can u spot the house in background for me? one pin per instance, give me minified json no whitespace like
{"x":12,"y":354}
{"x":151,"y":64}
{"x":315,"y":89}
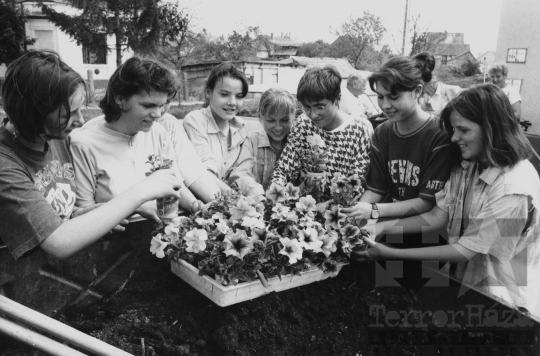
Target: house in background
{"x":452,"y":51}
{"x":520,"y":50}
{"x":486,"y":60}
{"x":49,"y":36}
{"x":276,"y":47}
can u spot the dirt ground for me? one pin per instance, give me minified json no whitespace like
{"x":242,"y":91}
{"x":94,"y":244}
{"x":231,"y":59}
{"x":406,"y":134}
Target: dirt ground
{"x":347,"y":315}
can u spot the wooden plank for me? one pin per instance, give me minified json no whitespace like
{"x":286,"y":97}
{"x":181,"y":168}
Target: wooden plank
{"x":228,"y":295}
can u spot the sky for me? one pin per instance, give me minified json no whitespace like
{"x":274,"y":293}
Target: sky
{"x":310,"y":20}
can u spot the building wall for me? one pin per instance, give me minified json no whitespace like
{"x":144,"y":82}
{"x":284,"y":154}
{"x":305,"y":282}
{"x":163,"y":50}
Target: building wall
{"x":48,"y":36}
{"x":519,"y":21}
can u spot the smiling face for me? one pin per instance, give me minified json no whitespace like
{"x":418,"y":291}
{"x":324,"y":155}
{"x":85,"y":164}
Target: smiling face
{"x":322,"y":113}
{"x":226,"y":98}
{"x":498,"y":79}
{"x":76,"y":101}
{"x":277,"y":127}
{"x":469,"y":136}
{"x":397,"y":107}
{"x":140,"y":111}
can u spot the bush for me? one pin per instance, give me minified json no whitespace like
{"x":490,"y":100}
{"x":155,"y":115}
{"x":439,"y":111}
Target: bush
{"x":470,"y":68}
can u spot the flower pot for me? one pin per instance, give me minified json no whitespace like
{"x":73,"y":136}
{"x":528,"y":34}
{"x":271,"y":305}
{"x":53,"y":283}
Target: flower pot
{"x":228,"y":295}
{"x":167,"y":208}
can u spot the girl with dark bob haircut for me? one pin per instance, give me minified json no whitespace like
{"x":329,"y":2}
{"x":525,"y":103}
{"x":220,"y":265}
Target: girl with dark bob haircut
{"x":132,"y":76}
{"x":28,"y":100}
{"x":215,"y":131}
{"x":347,"y":140}
{"x":111,"y":153}
{"x":489,"y":205}
{"x":43,"y":98}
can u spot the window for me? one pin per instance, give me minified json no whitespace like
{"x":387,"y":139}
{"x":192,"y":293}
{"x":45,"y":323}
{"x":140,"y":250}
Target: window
{"x":516,"y":55}
{"x":93,"y":56}
{"x":444,"y":60}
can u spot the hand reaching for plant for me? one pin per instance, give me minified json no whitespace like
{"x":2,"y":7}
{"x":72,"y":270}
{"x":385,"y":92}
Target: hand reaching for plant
{"x":375,"y":250}
{"x":148,"y":212}
{"x":359,"y":211}
{"x":159,"y":184}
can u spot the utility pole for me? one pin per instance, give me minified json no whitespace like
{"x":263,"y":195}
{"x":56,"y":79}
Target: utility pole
{"x":405,"y":26}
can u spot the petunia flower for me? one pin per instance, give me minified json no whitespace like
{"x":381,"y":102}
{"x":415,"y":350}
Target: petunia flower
{"x":242,"y":209}
{"x":276,"y":193}
{"x":237,"y":244}
{"x":349,"y":231}
{"x":329,"y":245}
{"x":253,"y":223}
{"x":316,"y":140}
{"x":292,"y":191}
{"x":355,"y":183}
{"x":291,"y":249}
{"x":222,"y":226}
{"x":309,"y":239}
{"x":195,"y":240}
{"x":157,"y":246}
{"x":334,"y":218}
{"x":170,"y":229}
{"x":306,"y":204}
{"x":203,"y":222}
{"x":329,"y":266}
{"x":291,"y":216}
{"x":280,"y":211}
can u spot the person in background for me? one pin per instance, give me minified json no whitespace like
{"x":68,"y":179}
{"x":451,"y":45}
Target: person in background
{"x":43,"y":97}
{"x":262,"y":149}
{"x":216,"y":133}
{"x":498,"y":73}
{"x":346,"y":142}
{"x":199,"y":181}
{"x":436,"y":94}
{"x":489,"y":206}
{"x":353,"y":101}
{"x":114,"y":152}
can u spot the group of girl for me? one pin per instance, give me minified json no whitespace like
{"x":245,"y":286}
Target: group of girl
{"x":467,"y":170}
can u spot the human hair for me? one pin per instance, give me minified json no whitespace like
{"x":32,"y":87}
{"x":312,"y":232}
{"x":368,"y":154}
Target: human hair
{"x":319,"y":83}
{"x":401,"y":74}
{"x":226,"y":69}
{"x":130,"y":78}
{"x":499,"y":68}
{"x":36,"y":84}
{"x":353,"y":79}
{"x":277,"y":102}
{"x":487,"y":106}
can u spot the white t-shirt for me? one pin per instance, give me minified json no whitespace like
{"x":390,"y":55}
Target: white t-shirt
{"x":512,"y":94}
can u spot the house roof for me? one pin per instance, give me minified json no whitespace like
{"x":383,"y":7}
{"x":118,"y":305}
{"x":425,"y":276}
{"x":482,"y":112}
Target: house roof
{"x":451,"y":49}
{"x":284,"y":41}
{"x":342,"y":64}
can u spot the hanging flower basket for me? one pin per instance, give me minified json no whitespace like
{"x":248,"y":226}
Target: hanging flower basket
{"x":228,"y":295}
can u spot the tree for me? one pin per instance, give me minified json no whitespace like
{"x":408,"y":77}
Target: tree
{"x":356,"y":36}
{"x":237,"y":46}
{"x":178,"y":41}
{"x":372,"y":59}
{"x":134,"y":23}
{"x":318,"y":48}
{"x":422,"y":40}
{"x":13,"y":40}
